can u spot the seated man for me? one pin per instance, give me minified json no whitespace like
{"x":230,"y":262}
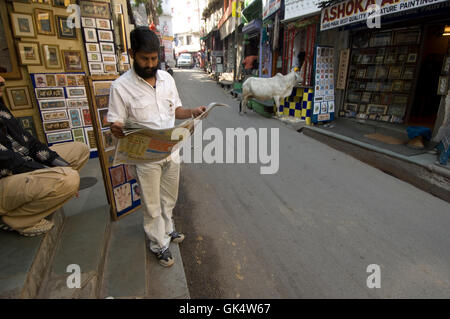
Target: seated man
{"x":35,"y":180}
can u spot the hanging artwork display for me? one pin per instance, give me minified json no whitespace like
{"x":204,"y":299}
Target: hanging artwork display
{"x":120,"y":181}
{"x":324,"y":85}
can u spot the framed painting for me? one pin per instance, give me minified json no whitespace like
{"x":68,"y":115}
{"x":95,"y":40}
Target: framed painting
{"x":76,"y":92}
{"x":95,"y":67}
{"x":108,"y":140}
{"x":90,"y":35}
{"x":88,"y":22}
{"x":56,"y":126}
{"x":351,"y":107}
{"x":72,"y":60}
{"x":51,"y":55}
{"x":49,"y":105}
{"x":94,"y":57}
{"x":71,"y":80}
{"x":23,"y":25}
{"x":102,"y":101}
{"x":58,"y":137}
{"x":54,"y":115}
{"x":102,"y":115}
{"x":87,"y":121}
{"x":9,"y":66}
{"x":92,"y":9}
{"x":109,"y":58}
{"x":105,"y":36}
{"x":18,"y":97}
{"x":50,"y":79}
{"x":49,"y":93}
{"x":104,"y":24}
{"x":101,"y":88}
{"x":40,"y":81}
{"x":44,"y":21}
{"x":75,"y":118}
{"x":106,"y":47}
{"x":90,"y":136}
{"x":110,"y":67}
{"x":61,"y":3}
{"x":62,"y":29}
{"x":29,"y":53}
{"x":78,"y":135}
{"x":27,"y":123}
{"x":61,"y":79}
{"x":92,"y":47}
{"x":376,"y":109}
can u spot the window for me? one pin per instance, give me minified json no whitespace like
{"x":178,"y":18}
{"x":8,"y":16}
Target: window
{"x":188,"y":39}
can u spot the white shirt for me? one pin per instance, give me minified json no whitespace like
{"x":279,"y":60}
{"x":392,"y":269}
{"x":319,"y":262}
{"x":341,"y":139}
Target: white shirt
{"x":131,"y":97}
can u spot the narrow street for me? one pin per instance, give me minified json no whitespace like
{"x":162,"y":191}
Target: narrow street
{"x":308,"y":231}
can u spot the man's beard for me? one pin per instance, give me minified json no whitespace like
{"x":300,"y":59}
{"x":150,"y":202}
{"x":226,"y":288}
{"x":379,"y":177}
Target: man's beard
{"x":144,"y":73}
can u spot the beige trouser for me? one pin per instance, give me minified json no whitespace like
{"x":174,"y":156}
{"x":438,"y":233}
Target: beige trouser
{"x":27,"y":198}
{"x":159,"y":193}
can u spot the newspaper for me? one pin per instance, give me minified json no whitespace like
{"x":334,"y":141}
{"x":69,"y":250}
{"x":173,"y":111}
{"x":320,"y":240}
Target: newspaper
{"x":145,"y":145}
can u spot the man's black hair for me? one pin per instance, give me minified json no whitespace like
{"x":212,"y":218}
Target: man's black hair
{"x":145,"y":40}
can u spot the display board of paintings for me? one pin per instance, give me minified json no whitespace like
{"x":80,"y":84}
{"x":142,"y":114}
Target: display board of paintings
{"x":381,"y":74}
{"x":120,"y":181}
{"x":64,"y":108}
{"x":324,"y":85}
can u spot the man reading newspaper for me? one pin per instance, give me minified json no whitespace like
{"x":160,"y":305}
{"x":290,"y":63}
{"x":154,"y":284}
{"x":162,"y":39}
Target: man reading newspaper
{"x":148,"y":96}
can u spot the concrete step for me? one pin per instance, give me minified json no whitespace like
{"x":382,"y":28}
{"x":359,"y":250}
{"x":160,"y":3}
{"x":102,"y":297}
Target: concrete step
{"x":83,"y":242}
{"x":24,"y":260}
{"x":125,"y":269}
{"x":167,"y":283}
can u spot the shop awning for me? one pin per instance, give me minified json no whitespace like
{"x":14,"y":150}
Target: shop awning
{"x":252,"y":11}
{"x":252,"y":27}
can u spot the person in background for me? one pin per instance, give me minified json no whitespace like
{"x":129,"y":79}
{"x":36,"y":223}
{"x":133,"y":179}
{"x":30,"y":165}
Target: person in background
{"x":35,"y":180}
{"x":249,"y":64}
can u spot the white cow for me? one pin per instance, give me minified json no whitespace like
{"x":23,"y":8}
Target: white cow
{"x":277,"y":87}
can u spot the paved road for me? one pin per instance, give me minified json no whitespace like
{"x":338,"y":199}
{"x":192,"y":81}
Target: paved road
{"x":309,"y":231}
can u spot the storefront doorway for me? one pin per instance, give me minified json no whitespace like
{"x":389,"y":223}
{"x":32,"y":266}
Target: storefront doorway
{"x":426,"y":100}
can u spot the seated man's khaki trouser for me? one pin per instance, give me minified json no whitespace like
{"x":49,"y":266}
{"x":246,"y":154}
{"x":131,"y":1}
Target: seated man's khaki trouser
{"x":27,"y":198}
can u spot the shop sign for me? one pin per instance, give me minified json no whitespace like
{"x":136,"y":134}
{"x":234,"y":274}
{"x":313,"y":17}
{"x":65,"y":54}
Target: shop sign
{"x":300,"y":8}
{"x":270,"y":7}
{"x":353,"y":11}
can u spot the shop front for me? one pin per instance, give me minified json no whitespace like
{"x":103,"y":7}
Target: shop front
{"x":396,"y":73}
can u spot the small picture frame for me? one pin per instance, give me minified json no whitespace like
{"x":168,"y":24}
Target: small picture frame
{"x":360,"y":73}
{"x":377,"y":109}
{"x":27,"y":123}
{"x":50,"y":105}
{"x":29,"y":53}
{"x":90,"y":35}
{"x":95,"y":67}
{"x":56,"y":126}
{"x":109,"y":58}
{"x":75,"y":118}
{"x":353,"y":107}
{"x":23,"y":25}
{"x":76,"y":92}
{"x":51,"y":80}
{"x":88,"y":22}
{"x":124,"y":58}
{"x":44,"y":21}
{"x":63,"y":30}
{"x":395,"y":72}
{"x":18,"y":97}
{"x":365,"y":97}
{"x":92,"y":47}
{"x":86,"y":114}
{"x":103,"y":24}
{"x":59,"y":137}
{"x":102,"y":101}
{"x":442,"y":85}
{"x":40,"y":81}
{"x":61,"y":80}
{"x":72,"y":60}
{"x":49,"y":93}
{"x":51,"y":55}
{"x":90,"y":137}
{"x":412,"y":58}
{"x":94,"y":57}
{"x":56,"y":115}
{"x":77,"y":103}
{"x":101,"y":88}
{"x":102,"y":117}
{"x":78,"y":135}
{"x":106,"y":47}
{"x":362,"y":108}
{"x":106,"y":36}
{"x":110,"y":68}
{"x":71,"y":80}
{"x":61,"y":3}
{"x":390,"y":58}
